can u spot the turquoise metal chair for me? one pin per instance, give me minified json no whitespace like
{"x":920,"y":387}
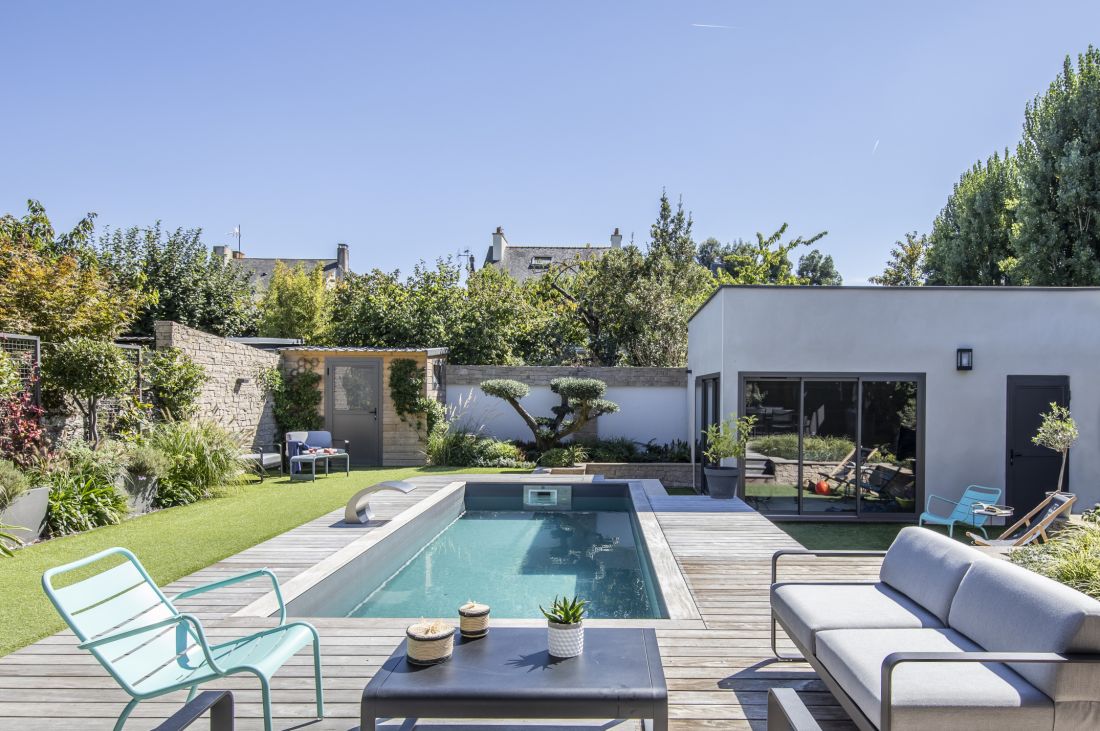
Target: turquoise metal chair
{"x":962,"y":510}
{"x":152,"y":649}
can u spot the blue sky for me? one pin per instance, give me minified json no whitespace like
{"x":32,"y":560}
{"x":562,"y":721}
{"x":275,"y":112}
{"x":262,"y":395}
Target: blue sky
{"x":412,"y":129}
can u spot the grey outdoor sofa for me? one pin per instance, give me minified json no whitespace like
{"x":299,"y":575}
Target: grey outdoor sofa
{"x":950,"y":638}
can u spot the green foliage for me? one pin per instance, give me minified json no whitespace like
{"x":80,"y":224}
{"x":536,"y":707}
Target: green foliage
{"x":451,"y":445}
{"x":144,"y":459}
{"x":13,"y":483}
{"x":104,"y":462}
{"x":87,"y":371}
{"x":81,"y":499}
{"x":297,"y":399}
{"x":972,"y":237}
{"x":565,"y":610}
{"x":728,"y":438}
{"x":816,"y":449}
{"x":567,"y":456}
{"x":908,"y":263}
{"x":55,"y":287}
{"x":11,"y":382}
{"x":1072,"y":557}
{"x":622,"y":449}
{"x":408,"y":388}
{"x":580,"y":403}
{"x":1058,"y":238}
{"x":1058,"y":432}
{"x":296,"y":304}
{"x":186,"y":282}
{"x":200,"y":457}
{"x":818,"y":270}
{"x":175,"y":381}
{"x":766,"y":261}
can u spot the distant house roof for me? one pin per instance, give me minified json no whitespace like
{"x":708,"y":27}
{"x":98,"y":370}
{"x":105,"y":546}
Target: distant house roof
{"x":337,"y":349}
{"x":262,"y":269}
{"x":524,"y":261}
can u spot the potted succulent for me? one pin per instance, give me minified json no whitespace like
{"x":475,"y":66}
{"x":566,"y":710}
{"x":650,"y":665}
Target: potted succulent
{"x":22,"y":508}
{"x":565,"y":626}
{"x":144,"y":466}
{"x":726,"y":440}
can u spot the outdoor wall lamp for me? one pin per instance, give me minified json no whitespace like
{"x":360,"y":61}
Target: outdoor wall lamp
{"x":964,"y":359}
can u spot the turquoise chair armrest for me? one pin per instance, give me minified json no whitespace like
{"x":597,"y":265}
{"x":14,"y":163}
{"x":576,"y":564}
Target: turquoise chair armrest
{"x":237,"y":580}
{"x":190,"y":619}
{"x":928,"y":502}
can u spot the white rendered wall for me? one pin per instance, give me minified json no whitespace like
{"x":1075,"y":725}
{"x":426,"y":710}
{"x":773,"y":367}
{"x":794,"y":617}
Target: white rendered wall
{"x":1013,"y":331}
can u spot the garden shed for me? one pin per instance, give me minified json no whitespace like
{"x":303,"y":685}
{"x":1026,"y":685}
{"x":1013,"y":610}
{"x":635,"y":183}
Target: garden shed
{"x":361,"y":400}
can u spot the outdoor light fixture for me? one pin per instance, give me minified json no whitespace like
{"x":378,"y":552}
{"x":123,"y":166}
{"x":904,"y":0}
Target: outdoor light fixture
{"x":964,"y":359}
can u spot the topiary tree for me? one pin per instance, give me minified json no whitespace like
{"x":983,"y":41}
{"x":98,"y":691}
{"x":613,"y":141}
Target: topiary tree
{"x":88,"y":371}
{"x":581,"y":402}
{"x":1058,"y":431}
{"x":176,"y":382}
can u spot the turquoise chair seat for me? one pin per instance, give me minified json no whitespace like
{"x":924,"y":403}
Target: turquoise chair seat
{"x":151,"y":649}
{"x":961,"y":510}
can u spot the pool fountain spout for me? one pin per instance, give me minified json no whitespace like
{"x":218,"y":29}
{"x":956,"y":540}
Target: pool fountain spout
{"x":358,"y":510}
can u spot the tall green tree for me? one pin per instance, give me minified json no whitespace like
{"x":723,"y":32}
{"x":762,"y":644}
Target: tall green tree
{"x":296,"y":304}
{"x":972,"y":238}
{"x":670,"y":234}
{"x":908,"y":260}
{"x":190,"y":285}
{"x":1058,"y":241}
{"x":765,"y":261}
{"x":818,"y":270}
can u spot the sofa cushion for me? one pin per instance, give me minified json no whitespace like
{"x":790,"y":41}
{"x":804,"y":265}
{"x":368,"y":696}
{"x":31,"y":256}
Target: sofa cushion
{"x":1004,"y":607}
{"x":927,"y":567}
{"x":805,"y":609}
{"x":972,"y":696}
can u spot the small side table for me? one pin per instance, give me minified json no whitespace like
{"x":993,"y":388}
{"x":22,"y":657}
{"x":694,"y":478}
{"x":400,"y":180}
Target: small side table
{"x":313,"y":459}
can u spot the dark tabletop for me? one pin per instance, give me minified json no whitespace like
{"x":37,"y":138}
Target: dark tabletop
{"x":509,"y":674}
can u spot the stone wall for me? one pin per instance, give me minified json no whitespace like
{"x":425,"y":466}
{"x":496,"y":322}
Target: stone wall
{"x":232,"y":396}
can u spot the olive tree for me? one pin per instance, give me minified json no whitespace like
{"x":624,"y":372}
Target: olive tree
{"x":581,"y":402}
{"x":88,"y":371}
{"x":1058,"y":432}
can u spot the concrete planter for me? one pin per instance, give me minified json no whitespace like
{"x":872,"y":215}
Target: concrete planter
{"x":141,"y":492}
{"x":27,"y":514}
{"x":722,"y":481}
{"x":564,"y":640}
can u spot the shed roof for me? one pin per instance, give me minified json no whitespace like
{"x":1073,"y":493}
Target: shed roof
{"x":349,"y":349}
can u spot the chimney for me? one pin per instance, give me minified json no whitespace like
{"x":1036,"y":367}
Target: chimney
{"x":221,"y":251}
{"x":616,"y":239}
{"x":342,"y":259}
{"x":238,"y":254}
{"x":499,"y":244}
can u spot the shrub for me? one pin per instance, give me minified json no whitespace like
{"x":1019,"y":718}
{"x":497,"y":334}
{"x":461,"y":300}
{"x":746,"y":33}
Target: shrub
{"x":297,"y":399}
{"x":13,"y":483}
{"x":817,"y":449}
{"x":175,"y":381}
{"x":11,"y":383}
{"x":581,"y":402}
{"x":81,"y":501}
{"x":145,"y":459}
{"x":200,"y":456}
{"x":88,"y":371}
{"x":22,"y":438}
{"x":1072,"y":557}
{"x":104,"y":464}
{"x":454,"y":446}
{"x":566,"y":456}
{"x":622,"y":449}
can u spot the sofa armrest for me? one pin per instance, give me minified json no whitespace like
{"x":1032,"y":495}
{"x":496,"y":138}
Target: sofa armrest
{"x":893,"y":660}
{"x":819,"y":554}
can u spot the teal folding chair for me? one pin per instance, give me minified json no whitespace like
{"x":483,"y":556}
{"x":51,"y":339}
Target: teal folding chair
{"x":152,"y":649}
{"x":962,"y":510}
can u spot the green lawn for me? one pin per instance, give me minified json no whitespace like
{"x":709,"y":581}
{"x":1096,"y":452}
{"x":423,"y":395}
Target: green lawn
{"x":176,"y":542}
{"x":853,"y":536}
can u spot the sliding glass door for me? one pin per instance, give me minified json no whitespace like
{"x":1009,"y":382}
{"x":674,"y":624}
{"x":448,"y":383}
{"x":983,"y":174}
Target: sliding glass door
{"x":833,"y":446}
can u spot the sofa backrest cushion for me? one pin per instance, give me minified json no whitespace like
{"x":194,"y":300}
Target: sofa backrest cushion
{"x":927,"y":567}
{"x":1004,"y":607}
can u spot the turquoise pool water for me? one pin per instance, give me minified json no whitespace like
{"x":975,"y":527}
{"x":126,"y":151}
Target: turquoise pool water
{"x":514,"y":560}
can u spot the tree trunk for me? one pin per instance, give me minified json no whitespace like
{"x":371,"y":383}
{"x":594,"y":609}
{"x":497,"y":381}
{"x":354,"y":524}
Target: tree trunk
{"x":1062,"y":469}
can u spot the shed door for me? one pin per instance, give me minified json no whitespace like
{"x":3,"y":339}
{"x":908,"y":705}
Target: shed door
{"x":1031,"y":471}
{"x":353,"y":407}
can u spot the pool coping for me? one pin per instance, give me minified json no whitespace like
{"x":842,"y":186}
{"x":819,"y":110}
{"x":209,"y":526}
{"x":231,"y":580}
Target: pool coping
{"x":675,"y":594}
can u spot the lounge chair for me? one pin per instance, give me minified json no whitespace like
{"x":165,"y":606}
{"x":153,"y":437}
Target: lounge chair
{"x":1034,"y":525}
{"x":844,"y":473}
{"x":963,"y":510}
{"x":264,"y":459}
{"x":150,"y":648}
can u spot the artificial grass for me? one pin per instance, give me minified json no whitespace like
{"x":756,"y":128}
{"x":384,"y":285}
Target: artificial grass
{"x":176,"y":542}
{"x":853,"y":536}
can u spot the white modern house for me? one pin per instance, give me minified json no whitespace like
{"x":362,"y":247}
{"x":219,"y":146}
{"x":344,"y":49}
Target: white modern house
{"x":870,"y":399}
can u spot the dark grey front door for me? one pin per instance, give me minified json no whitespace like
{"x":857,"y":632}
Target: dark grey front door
{"x":353,"y":406}
{"x":1031,"y":471}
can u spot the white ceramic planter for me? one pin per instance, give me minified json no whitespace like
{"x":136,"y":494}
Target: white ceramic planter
{"x":565,"y":640}
{"x":27,"y":514}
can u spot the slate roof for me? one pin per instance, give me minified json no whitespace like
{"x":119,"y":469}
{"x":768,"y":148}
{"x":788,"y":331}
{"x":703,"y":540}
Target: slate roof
{"x":260,"y":269}
{"x":524,"y":261}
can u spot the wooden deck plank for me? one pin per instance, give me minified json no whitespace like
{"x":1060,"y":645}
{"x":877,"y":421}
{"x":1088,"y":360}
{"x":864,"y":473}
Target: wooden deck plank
{"x":719,"y":668}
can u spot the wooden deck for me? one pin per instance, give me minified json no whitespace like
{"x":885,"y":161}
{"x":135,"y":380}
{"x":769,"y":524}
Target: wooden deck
{"x":718,"y":668}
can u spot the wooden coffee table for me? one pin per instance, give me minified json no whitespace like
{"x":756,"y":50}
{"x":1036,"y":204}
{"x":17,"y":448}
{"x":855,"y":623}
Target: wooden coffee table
{"x":509,"y":675}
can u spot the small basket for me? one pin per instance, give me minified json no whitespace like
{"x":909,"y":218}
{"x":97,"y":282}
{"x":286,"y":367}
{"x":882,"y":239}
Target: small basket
{"x":473,"y":620}
{"x":429,"y":643}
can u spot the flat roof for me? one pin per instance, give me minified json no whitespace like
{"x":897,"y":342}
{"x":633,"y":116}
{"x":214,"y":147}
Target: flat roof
{"x":882,"y":288}
{"x":338,"y":349}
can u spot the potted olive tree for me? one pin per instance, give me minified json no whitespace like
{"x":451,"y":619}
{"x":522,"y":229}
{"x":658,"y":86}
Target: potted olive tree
{"x":726,"y":440}
{"x":1057,"y":432}
{"x":565,"y":626}
{"x":144,"y":466}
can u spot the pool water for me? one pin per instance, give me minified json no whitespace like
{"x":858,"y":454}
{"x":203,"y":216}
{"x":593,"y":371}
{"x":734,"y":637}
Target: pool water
{"x":514,"y":560}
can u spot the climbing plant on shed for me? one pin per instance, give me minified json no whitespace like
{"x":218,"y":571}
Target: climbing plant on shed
{"x":408,"y":386}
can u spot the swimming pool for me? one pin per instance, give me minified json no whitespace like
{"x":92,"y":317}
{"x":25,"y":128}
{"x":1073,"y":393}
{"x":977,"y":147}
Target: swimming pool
{"x":512,"y":546}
